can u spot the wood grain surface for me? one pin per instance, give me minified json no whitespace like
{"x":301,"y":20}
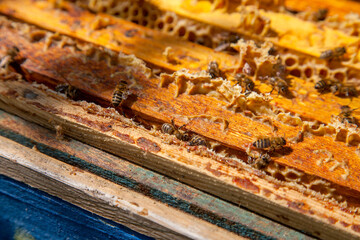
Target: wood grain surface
{"x":103,"y":197}
{"x":291,"y":202}
{"x":152,"y":102}
{"x":83,"y":157}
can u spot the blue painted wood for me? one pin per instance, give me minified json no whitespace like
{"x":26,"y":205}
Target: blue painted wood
{"x":25,"y":210}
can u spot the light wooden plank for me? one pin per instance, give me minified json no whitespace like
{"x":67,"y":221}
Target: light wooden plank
{"x":103,"y":197}
{"x":158,"y":187}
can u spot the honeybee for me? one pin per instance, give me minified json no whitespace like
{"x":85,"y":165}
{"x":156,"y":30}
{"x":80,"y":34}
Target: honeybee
{"x":345,"y":115}
{"x":333,"y":53}
{"x":172,"y":130}
{"x":323,"y":85}
{"x":342,"y":90}
{"x":66,"y":88}
{"x":281,"y":85}
{"x":225,"y":45}
{"x":198,"y":141}
{"x":9,"y":57}
{"x":260,"y":162}
{"x":69,"y":91}
{"x":320,"y":15}
{"x":272,"y":51}
{"x":244,"y":82}
{"x":184,"y":136}
{"x":120,"y":93}
{"x":13,"y":52}
{"x":271,"y":143}
{"x":168,"y":128}
{"x":213,"y":69}
{"x":279,"y":70}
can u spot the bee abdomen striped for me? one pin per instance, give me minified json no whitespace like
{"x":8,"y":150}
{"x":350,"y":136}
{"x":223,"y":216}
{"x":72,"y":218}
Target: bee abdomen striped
{"x":167,"y":128}
{"x":116,"y":98}
{"x":321,"y":85}
{"x":350,"y":120}
{"x":262,"y":143}
{"x":198,"y":141}
{"x":118,"y":94}
{"x":326,"y":54}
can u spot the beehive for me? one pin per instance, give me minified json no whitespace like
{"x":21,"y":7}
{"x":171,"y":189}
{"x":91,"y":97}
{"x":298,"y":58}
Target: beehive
{"x":318,"y":166}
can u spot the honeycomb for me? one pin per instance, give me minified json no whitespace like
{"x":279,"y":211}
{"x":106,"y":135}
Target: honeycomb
{"x":291,"y":175}
{"x":298,"y":65}
{"x":202,"y":83}
{"x":275,"y":172}
{"x":314,"y":69}
{"x":348,"y":24}
{"x":147,"y":15}
{"x":254,"y":59}
{"x":90,"y":52}
{"x":223,"y":90}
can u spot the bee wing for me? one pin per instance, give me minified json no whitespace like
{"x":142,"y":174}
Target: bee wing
{"x":173,"y":123}
{"x":126,"y":94}
{"x":259,"y":137}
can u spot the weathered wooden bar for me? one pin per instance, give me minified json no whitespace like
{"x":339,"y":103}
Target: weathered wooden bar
{"x":303,"y":187}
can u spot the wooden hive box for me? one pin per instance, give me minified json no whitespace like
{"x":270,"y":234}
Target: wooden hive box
{"x":162,"y":50}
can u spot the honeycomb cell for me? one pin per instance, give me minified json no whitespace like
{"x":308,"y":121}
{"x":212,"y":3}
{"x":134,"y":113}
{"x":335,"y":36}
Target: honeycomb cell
{"x":169,"y":19}
{"x":290,"y":61}
{"x":296,"y":72}
{"x":339,"y":76}
{"x":323,"y":73}
{"x":308,"y":72}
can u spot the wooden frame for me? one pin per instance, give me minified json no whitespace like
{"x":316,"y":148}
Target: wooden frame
{"x":229,"y":179}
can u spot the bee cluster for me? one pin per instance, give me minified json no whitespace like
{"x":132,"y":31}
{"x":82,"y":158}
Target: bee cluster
{"x":331,"y":85}
{"x":278,"y":80}
{"x":336,"y":87}
{"x":259,"y":162}
{"x":332,"y":54}
{"x":245,"y":82}
{"x":194,"y":140}
{"x":269,"y":144}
